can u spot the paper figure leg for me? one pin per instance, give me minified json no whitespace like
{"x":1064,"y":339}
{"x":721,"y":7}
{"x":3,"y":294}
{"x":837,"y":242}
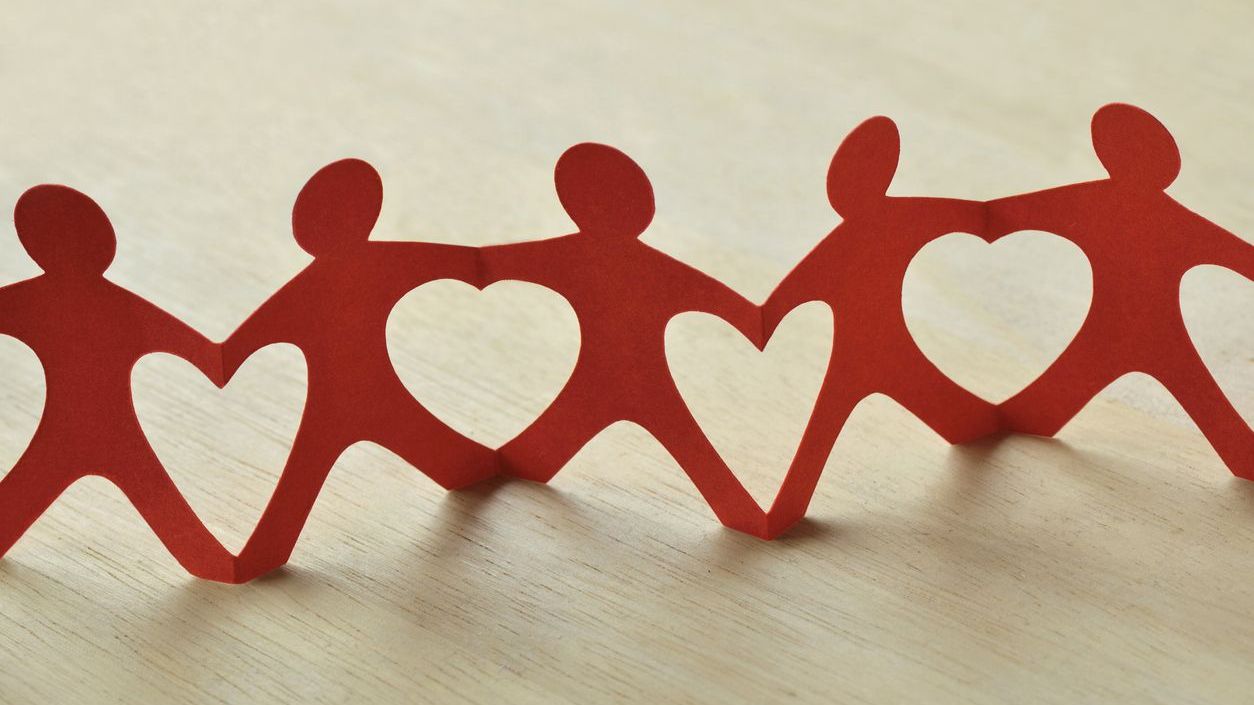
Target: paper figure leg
{"x":831,"y":411}
{"x":27,"y":491}
{"x":149,"y":488}
{"x":672,"y":424}
{"x":946,"y":407}
{"x":424,"y":441}
{"x":544,"y":447}
{"x":1191,"y":383}
{"x":314,"y":452}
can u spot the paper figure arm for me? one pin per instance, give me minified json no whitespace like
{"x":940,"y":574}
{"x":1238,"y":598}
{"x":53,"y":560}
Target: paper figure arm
{"x":264,"y":327}
{"x":169,"y":334}
{"x":7,"y":310}
{"x":1243,"y":258}
{"x":1052,"y":210}
{"x":801,"y":285}
{"x":1228,"y":250}
{"x":960,"y":216}
{"x":704,"y":293}
{"x":534,"y":261}
{"x":413,"y":264}
{"x":18,"y":311}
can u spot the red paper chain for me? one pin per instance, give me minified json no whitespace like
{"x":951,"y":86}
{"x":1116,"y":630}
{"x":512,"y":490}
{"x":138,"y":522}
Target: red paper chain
{"x":88,"y":332}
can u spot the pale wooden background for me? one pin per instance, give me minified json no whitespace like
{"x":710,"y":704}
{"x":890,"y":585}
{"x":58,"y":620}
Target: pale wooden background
{"x":1114,"y":564}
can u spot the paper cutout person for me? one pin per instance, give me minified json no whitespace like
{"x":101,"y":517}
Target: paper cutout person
{"x":623,"y":293}
{"x":88,"y":334}
{"x":1139,"y":242}
{"x":858,"y":271}
{"x":336,"y":312}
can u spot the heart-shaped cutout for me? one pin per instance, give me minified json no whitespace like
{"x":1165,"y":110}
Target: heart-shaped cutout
{"x":21,"y":400}
{"x":224,"y":448}
{"x":752,"y":405}
{"x":487,"y":362}
{"x":993,"y":318}
{"x":1216,"y":303}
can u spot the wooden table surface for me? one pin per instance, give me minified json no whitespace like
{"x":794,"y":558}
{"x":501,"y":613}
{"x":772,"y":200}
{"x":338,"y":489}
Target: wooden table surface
{"x":1112,"y":564}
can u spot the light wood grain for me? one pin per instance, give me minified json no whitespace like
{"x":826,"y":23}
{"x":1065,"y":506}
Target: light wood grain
{"x":1113,"y":564}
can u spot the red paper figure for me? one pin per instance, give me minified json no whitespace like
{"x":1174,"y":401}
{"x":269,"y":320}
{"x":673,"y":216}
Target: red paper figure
{"x":623,"y":293}
{"x":858,"y":270}
{"x":336,"y":312}
{"x":88,"y":334}
{"x":1139,"y":242}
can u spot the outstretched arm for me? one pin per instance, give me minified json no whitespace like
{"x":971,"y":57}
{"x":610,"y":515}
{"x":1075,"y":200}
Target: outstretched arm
{"x":1242,"y":259}
{"x":7,"y":309}
{"x":265,"y":326}
{"x":169,"y":334}
{"x":16,"y":310}
{"x":412,"y":264}
{"x":535,"y":261}
{"x":709,"y":295}
{"x":952,"y":215}
{"x":802,"y":285}
{"x":1052,"y":210}
{"x":1227,"y":250}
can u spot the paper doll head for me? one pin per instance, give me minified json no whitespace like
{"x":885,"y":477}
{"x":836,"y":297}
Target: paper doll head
{"x":338,"y":206}
{"x":863,"y":166}
{"x":604,"y":191}
{"x":64,"y":231}
{"x":1134,"y":146}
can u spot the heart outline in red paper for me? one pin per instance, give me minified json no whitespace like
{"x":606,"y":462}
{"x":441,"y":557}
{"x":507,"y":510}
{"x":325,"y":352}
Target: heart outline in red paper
{"x":996,"y":312}
{"x":442,"y":360}
{"x":708,"y":395}
{"x":212,"y":482}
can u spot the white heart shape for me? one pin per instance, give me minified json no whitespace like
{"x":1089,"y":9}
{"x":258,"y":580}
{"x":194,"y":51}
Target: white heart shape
{"x":993,"y":318}
{"x":487,"y":362}
{"x":224,"y":448}
{"x":752,"y":405}
{"x":1218,"y":307}
{"x":22,"y":392}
